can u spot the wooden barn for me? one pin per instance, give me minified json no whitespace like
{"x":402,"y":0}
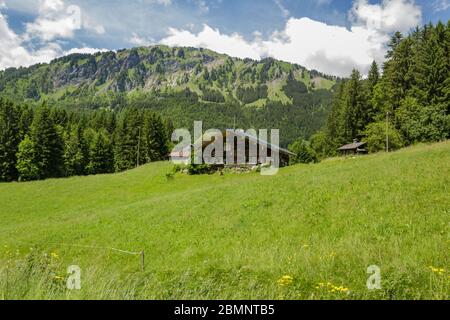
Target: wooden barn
{"x":261,"y":147}
{"x":353,"y":148}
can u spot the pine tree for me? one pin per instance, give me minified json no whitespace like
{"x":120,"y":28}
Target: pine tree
{"x":355,"y":107}
{"x":374,"y":75}
{"x":155,"y":138}
{"x":128,"y":140}
{"x":447,"y":81}
{"x":27,"y":166}
{"x":398,"y":73}
{"x":393,"y":44}
{"x":372,"y":109}
{"x":335,"y":127}
{"x":431,"y":69}
{"x":48,"y":144}
{"x":9,"y":140}
{"x":101,"y":155}
{"x":75,"y":152}
{"x":26,"y":118}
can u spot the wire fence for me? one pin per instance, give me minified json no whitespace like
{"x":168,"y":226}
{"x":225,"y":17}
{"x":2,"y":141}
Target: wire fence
{"x":134,"y":253}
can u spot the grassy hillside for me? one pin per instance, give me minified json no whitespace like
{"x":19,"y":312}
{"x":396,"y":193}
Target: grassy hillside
{"x":235,"y":236}
{"x":212,"y":76}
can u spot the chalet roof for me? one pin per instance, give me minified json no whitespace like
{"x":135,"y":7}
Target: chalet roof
{"x":262,"y":142}
{"x":352,"y":146}
{"x":253,"y":139}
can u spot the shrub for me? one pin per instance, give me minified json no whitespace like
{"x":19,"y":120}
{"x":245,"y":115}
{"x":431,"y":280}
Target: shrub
{"x":304,"y":152}
{"x":375,"y":136}
{"x":196,"y":169}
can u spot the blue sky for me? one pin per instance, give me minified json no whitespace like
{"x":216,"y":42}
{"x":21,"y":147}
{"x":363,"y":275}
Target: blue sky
{"x":293,"y":30}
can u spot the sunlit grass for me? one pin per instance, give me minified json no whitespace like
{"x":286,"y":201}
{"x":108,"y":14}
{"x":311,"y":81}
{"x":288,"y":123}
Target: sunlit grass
{"x":308,"y":233}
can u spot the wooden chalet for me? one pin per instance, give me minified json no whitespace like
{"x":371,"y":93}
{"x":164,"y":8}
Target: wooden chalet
{"x":354,"y":148}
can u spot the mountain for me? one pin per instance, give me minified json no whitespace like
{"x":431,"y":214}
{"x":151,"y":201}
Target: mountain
{"x":165,"y":78}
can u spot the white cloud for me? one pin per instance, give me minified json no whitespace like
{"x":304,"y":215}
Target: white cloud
{"x":136,"y":40}
{"x":441,"y":5}
{"x":389,"y":16}
{"x":234,"y":45}
{"x":331,"y":49}
{"x":14,"y":54}
{"x":85,"y":50}
{"x":316,"y":45}
{"x":54,"y":21}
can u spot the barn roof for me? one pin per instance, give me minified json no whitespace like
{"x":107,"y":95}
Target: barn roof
{"x":207,"y":140}
{"x":256,"y":140}
{"x":352,"y":146}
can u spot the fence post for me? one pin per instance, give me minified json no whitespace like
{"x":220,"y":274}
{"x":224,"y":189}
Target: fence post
{"x":7,"y":282}
{"x":143,"y":260}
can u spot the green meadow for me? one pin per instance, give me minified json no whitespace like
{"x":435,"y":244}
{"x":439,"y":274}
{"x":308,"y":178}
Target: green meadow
{"x":309,"y":232}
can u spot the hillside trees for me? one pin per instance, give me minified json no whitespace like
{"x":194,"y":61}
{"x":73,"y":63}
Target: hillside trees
{"x":49,"y":142}
{"x":9,"y":140}
{"x":128,"y":139}
{"x":155,"y":138}
{"x":252,"y":94}
{"x":101,"y":154}
{"x":304,"y":152}
{"x":413,"y":93}
{"x":26,"y":165}
{"x":351,"y":111}
{"x":75,"y":152}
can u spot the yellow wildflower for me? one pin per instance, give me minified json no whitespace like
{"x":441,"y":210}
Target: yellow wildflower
{"x":285,"y":280}
{"x":439,"y":271}
{"x":332,"y":288}
{"x":54,"y":255}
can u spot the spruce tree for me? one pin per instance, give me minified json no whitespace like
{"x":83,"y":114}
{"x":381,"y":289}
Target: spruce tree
{"x":398,"y":73}
{"x":393,"y":44}
{"x":372,"y":110}
{"x":128,"y":140}
{"x":9,"y":140}
{"x":75,"y":152}
{"x":101,"y":156}
{"x":155,"y":138}
{"x":335,"y":124}
{"x":48,"y":144}
{"x":27,"y":165}
{"x":355,"y":105}
{"x":374,"y":75}
{"x":26,"y":118}
{"x":431,"y":68}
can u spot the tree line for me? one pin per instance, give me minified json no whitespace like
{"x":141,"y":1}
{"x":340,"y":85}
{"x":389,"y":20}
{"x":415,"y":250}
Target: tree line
{"x":408,"y":103}
{"x":48,"y":142}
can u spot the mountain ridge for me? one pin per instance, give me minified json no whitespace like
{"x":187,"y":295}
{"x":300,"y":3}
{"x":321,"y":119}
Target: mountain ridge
{"x":214,"y":77}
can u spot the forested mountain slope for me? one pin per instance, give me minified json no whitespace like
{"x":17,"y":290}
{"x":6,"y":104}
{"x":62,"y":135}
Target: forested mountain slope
{"x":214,"y":77}
{"x":184,"y":84}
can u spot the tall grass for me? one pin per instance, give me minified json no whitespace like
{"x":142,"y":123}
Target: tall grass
{"x":308,"y":233}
